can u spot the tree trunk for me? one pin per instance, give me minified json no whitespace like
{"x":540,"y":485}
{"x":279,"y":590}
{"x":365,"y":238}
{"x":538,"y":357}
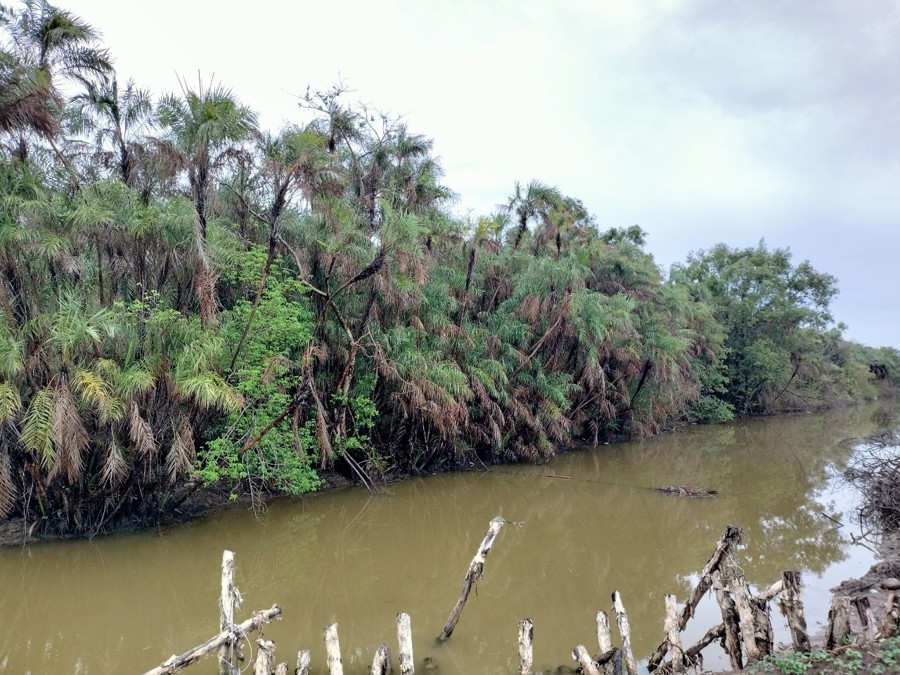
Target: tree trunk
{"x":526,"y":649}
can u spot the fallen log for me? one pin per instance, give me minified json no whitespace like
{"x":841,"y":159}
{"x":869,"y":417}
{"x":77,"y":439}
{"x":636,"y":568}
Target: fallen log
{"x":475,"y":572}
{"x":684,"y":491}
{"x":235,"y":633}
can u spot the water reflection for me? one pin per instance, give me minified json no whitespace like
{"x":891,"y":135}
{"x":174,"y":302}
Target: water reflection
{"x":593,"y":524}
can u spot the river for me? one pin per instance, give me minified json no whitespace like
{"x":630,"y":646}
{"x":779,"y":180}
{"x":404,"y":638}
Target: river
{"x":124,"y":603}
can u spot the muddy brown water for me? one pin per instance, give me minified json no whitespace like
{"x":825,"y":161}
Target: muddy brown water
{"x":124,"y":603}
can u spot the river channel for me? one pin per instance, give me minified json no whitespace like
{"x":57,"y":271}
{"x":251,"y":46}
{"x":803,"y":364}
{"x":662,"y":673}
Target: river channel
{"x":124,"y":603}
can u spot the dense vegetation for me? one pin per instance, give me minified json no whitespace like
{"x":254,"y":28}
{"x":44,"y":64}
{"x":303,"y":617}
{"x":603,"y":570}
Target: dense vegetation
{"x":187,"y":299}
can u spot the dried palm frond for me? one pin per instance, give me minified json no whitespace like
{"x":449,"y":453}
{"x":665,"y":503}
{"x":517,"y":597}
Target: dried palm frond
{"x":69,"y":434}
{"x":115,"y":468}
{"x":182,"y":453}
{"x":140,"y":434}
{"x":7,"y":486}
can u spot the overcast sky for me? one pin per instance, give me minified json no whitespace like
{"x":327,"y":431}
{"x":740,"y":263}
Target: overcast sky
{"x":702,"y":122}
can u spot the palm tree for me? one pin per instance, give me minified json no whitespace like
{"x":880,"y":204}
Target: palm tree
{"x":536,"y":201}
{"x":44,"y":42}
{"x":115,"y":118}
{"x":202,"y":126}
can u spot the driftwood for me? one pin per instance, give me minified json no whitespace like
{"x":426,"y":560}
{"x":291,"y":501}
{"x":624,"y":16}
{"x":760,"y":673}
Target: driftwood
{"x":304,"y":662}
{"x":684,"y":491}
{"x":265,"y":657}
{"x":381,"y":663}
{"x":526,"y":648}
{"x":692,"y":654}
{"x":281,"y":669}
{"x":333,"y":650}
{"x":404,"y":638}
{"x":838,"y":622}
{"x":235,"y":633}
{"x":729,"y":539}
{"x":625,"y":633}
{"x":476,"y":569}
{"x":792,"y":607}
{"x":746,"y":618}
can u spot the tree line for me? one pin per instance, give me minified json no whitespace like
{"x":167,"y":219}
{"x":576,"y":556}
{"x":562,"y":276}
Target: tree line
{"x":187,"y":299}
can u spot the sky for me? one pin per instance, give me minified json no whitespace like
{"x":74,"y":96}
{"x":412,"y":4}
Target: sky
{"x":702,"y":121}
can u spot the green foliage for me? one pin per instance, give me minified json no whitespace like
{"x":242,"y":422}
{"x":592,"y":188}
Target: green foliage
{"x":266,"y":373}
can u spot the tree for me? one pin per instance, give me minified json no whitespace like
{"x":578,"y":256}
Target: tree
{"x":772,"y":312}
{"x":202,"y":127}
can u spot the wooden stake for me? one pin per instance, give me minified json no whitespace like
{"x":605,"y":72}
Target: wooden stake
{"x":588,"y":667}
{"x":730,"y":622}
{"x":526,"y":650}
{"x":281,"y":669}
{"x":333,"y":650}
{"x":838,"y":622}
{"x":729,"y":539}
{"x":228,"y":601}
{"x":404,"y":639}
{"x":762,"y":626}
{"x":792,"y":607}
{"x":476,"y":569}
{"x":175,"y":663}
{"x":673,"y":635}
{"x":746,"y":618}
{"x":265,"y":657}
{"x":891,"y":623}
{"x":381,"y":663}
{"x":304,"y":662}
{"x":625,"y":633}
{"x":866,"y":618}
{"x":604,"y":639}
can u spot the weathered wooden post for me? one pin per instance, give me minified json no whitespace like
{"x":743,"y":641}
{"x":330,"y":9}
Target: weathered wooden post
{"x":891,"y":624}
{"x":381,"y":663}
{"x":838,"y":622}
{"x":304,"y":662}
{"x":265,"y":657}
{"x":625,"y":633}
{"x":730,"y":621}
{"x":674,"y":635}
{"x":404,"y":638}
{"x":746,"y":618}
{"x":604,"y":639}
{"x":228,"y":602}
{"x":281,"y":669}
{"x":333,"y":650}
{"x":526,"y":650}
{"x":792,"y":607}
{"x":476,"y":569}
{"x":866,"y":618}
{"x":237,"y":632}
{"x":581,"y":655}
{"x":762,"y":626}
{"x":729,"y":539}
